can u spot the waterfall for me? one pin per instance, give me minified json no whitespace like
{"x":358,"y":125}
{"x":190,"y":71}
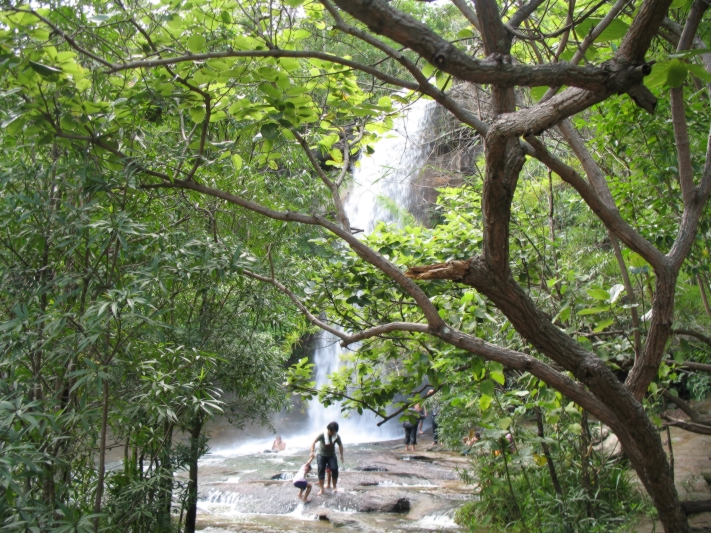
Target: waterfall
{"x":381,"y":192}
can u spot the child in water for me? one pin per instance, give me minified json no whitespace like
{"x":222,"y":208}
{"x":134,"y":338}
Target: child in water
{"x":301,"y":483}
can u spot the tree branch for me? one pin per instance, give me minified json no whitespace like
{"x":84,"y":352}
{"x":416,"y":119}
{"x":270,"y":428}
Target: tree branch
{"x":383,"y":19}
{"x":683,"y":151}
{"x":468,"y":12}
{"x":612,"y":220}
{"x":313,"y":319}
{"x":702,"y":429}
{"x":692,"y":333}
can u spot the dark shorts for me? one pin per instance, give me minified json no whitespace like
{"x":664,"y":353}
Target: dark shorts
{"x":301,"y":484}
{"x":332,"y":464}
{"x":410,"y":435}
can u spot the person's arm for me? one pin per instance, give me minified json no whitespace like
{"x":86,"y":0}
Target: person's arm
{"x":313,"y":447}
{"x":274,"y":445}
{"x":340,"y":447}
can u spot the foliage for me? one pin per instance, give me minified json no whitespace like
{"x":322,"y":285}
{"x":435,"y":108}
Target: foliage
{"x":130,"y":116}
{"x":99,"y":289}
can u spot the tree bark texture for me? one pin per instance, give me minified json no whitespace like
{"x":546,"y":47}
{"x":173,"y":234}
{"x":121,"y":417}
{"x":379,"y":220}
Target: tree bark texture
{"x":191,"y":500}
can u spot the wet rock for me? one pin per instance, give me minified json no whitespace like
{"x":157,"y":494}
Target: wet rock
{"x":417,"y":458}
{"x":284,"y":476}
{"x":351,"y":524}
{"x":382,"y":505}
{"x":324,"y":517}
{"x":371,"y":468}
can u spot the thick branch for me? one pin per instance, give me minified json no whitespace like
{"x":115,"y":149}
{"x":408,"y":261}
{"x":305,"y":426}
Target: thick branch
{"x":692,"y":413}
{"x":643,"y":29}
{"x":386,"y":20}
{"x":696,"y":506}
{"x":468,"y":12}
{"x":702,"y":429}
{"x":497,"y":40}
{"x":276,"y":53}
{"x":382,"y":330}
{"x":425,"y":87}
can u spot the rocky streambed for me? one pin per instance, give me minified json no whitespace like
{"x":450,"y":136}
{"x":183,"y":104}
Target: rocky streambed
{"x":381,"y":488}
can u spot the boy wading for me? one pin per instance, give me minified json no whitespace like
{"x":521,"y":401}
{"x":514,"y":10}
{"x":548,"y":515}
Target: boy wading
{"x":327,"y":454}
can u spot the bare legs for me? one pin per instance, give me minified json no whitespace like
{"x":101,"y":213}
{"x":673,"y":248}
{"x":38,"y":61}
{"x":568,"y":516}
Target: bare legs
{"x":304,"y":496}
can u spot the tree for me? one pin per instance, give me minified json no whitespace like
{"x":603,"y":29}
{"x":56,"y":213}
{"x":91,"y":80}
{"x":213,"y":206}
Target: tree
{"x":123,"y":80}
{"x":103,"y":345}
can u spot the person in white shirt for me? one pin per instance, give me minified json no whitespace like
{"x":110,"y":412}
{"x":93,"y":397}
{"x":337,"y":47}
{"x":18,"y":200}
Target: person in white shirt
{"x":301,"y":483}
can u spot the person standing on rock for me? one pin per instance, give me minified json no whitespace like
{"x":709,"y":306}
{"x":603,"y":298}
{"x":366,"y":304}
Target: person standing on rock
{"x":327,"y":455}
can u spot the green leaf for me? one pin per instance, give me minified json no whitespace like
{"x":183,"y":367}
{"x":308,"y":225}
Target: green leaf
{"x":498,"y":377}
{"x":676,"y":73}
{"x":293,"y":3}
{"x":237,"y":161}
{"x":487,"y":387}
{"x":44,"y":70}
{"x":270,"y":131}
{"x":485,"y":402}
{"x":226,"y":17}
{"x":269,"y":90}
{"x":465,"y":33}
{"x":196,"y":44}
{"x":699,"y":72}
{"x":593,"y":310}
{"x":575,"y":428}
{"x":598,"y":294}
{"x":504,"y":422}
{"x":603,"y":324}
{"x":197,"y":113}
{"x":658,"y":75}
{"x":690,"y":53}
{"x":616,"y":30}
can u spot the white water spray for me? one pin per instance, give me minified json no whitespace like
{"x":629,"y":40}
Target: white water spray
{"x":381,"y":192}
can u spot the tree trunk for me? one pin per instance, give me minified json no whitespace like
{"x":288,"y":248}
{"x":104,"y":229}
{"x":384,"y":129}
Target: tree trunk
{"x":165,"y":474}
{"x":193,"y":476}
{"x":102,"y":455}
{"x":547,"y":453}
{"x":702,"y":289}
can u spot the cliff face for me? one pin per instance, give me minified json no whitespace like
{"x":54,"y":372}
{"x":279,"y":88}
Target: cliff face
{"x":453,"y":150}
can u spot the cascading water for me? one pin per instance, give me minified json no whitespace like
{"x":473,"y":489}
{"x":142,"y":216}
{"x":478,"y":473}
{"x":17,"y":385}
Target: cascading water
{"x":381,"y":192}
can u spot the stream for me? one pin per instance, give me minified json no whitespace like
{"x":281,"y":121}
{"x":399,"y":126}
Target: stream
{"x":381,"y":488}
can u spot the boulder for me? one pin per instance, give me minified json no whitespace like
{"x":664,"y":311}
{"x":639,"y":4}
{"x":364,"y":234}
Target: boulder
{"x":384,"y":505}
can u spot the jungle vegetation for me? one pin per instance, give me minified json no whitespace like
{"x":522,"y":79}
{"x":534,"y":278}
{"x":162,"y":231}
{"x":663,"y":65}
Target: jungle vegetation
{"x":173,"y":177}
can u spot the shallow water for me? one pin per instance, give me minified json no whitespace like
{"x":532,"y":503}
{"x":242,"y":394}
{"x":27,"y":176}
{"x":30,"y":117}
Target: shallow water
{"x":244,"y":492}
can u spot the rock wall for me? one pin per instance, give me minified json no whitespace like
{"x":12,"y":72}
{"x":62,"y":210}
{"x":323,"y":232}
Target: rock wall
{"x":453,"y":151}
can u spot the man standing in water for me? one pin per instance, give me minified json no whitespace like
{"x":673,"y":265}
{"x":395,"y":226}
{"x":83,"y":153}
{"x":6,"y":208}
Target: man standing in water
{"x":327,"y":455}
